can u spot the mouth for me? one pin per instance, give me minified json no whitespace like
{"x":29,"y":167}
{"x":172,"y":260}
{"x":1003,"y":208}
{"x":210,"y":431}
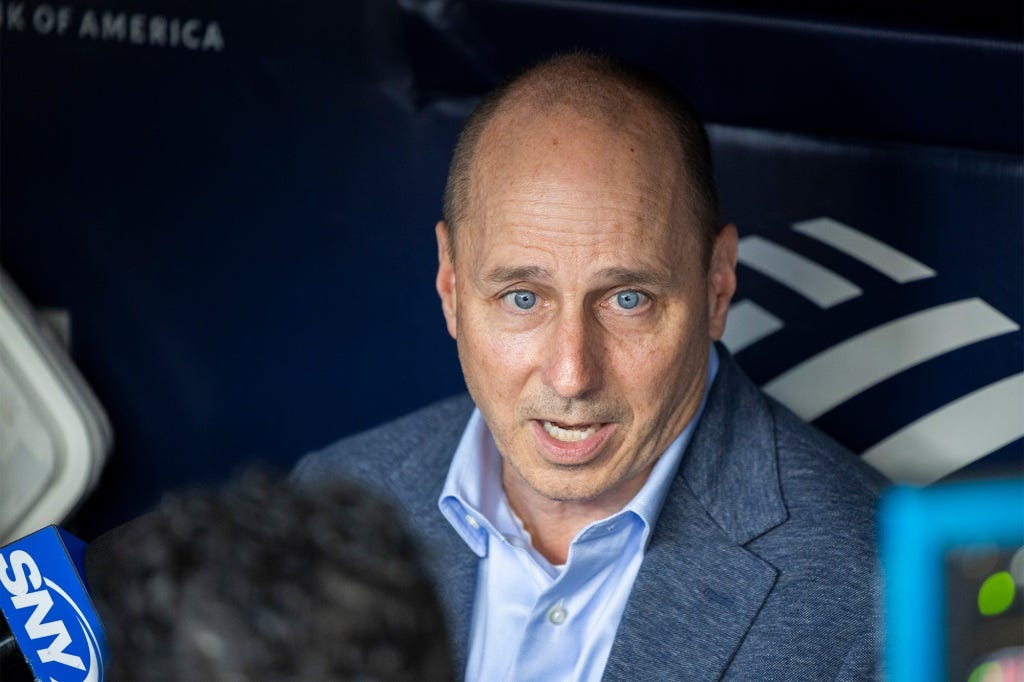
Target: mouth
{"x":571,"y":444}
{"x":569,"y":433}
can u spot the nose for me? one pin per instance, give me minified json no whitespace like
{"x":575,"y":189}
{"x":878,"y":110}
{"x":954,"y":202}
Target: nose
{"x":573,"y":365}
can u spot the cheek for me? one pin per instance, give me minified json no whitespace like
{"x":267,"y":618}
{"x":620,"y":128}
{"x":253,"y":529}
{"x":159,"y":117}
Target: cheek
{"x":651,"y":370}
{"x":642,"y":370}
{"x":497,"y":362}
{"x":500,"y":351}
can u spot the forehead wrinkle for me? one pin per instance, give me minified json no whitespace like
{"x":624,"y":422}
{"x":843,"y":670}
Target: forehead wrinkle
{"x":523,"y":194}
{"x":560,"y":216}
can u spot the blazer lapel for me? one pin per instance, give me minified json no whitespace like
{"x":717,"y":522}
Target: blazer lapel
{"x":449,"y":562}
{"x":699,"y":589}
{"x":453,"y":568}
{"x":695,"y":597}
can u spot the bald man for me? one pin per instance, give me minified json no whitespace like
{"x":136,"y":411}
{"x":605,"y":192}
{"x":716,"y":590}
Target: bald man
{"x":615,"y":499}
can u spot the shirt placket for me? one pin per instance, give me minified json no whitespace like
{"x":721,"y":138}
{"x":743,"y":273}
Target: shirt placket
{"x":554,"y":639}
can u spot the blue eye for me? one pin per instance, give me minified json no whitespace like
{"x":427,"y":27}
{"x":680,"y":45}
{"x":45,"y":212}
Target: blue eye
{"x":524,"y":300}
{"x":627,"y":300}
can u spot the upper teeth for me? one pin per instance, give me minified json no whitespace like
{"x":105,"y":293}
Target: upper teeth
{"x":570,"y":434}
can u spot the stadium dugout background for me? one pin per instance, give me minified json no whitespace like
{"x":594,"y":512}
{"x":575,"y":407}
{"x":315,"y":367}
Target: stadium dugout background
{"x":228,"y":208}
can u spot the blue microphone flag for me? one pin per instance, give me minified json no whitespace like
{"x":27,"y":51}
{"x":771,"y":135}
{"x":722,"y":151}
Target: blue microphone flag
{"x":44,"y":599}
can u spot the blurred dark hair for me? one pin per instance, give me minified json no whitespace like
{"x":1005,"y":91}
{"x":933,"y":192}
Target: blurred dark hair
{"x":265,"y":580}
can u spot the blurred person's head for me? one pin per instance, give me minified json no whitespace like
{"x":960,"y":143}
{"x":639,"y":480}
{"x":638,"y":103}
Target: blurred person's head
{"x":262,"y":580}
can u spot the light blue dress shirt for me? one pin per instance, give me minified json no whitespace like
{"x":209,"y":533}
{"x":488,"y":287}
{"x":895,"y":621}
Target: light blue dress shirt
{"x":532,"y":620}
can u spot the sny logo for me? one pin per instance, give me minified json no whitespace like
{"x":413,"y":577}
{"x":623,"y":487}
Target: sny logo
{"x":30,"y":589}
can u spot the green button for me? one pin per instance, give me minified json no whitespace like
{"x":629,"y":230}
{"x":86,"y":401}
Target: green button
{"x":996,"y":594}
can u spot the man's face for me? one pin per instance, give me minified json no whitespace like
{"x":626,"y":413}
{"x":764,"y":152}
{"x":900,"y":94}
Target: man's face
{"x":579,"y":301}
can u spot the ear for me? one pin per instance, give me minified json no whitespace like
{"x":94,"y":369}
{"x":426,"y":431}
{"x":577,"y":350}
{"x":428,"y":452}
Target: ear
{"x":446,"y":278}
{"x":721,"y":279}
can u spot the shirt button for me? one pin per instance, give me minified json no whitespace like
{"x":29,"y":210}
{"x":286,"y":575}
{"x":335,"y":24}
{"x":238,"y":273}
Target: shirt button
{"x":557,"y":614}
{"x":471,"y":521}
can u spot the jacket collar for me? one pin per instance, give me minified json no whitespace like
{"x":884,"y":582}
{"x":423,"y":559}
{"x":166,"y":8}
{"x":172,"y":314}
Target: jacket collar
{"x":731,"y":465}
{"x":451,"y":564}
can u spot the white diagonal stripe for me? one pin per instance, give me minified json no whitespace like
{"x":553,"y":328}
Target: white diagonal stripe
{"x":835,"y":375}
{"x":800,"y":274}
{"x":747,"y":324}
{"x":954,"y":435}
{"x":889,"y":261}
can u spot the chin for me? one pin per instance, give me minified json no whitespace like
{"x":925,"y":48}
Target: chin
{"x":570,"y":491}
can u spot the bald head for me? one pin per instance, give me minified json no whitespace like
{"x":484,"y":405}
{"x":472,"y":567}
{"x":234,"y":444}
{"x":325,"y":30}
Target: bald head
{"x":618,"y":96}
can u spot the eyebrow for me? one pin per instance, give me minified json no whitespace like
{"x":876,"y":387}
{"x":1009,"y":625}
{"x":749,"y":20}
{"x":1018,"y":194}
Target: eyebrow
{"x":620,"y":276}
{"x":615,"y":275}
{"x":503,"y":275}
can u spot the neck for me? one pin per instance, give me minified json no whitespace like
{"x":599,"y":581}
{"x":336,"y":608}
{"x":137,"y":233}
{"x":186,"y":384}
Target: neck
{"x":552,"y":524}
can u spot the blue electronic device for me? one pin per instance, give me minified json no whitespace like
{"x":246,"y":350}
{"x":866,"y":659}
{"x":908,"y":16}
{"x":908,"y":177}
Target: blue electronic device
{"x":44,"y":600}
{"x":953,"y":561}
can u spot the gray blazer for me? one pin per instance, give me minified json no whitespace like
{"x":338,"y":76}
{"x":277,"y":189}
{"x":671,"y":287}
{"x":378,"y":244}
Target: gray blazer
{"x":762,"y":565}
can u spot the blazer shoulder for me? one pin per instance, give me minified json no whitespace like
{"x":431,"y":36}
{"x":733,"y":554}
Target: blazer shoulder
{"x":429,"y":433}
{"x":828,"y":490}
{"x":825,"y":607}
{"x":808,"y":449}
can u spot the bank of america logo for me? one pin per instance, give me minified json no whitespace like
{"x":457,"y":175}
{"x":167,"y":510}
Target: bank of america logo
{"x":935,"y":444}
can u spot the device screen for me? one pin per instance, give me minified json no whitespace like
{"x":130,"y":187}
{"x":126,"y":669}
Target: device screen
{"x":985,"y":613}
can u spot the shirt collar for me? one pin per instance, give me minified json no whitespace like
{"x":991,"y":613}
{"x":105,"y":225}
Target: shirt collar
{"x":472,"y":499}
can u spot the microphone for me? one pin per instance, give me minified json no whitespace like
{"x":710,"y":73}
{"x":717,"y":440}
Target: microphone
{"x":49,"y":629}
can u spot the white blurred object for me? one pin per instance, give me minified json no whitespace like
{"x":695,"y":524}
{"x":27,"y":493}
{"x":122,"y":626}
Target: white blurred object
{"x":54,"y":435}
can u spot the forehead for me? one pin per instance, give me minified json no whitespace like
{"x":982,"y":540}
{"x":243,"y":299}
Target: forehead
{"x":525,"y":142}
{"x":558,"y":179}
